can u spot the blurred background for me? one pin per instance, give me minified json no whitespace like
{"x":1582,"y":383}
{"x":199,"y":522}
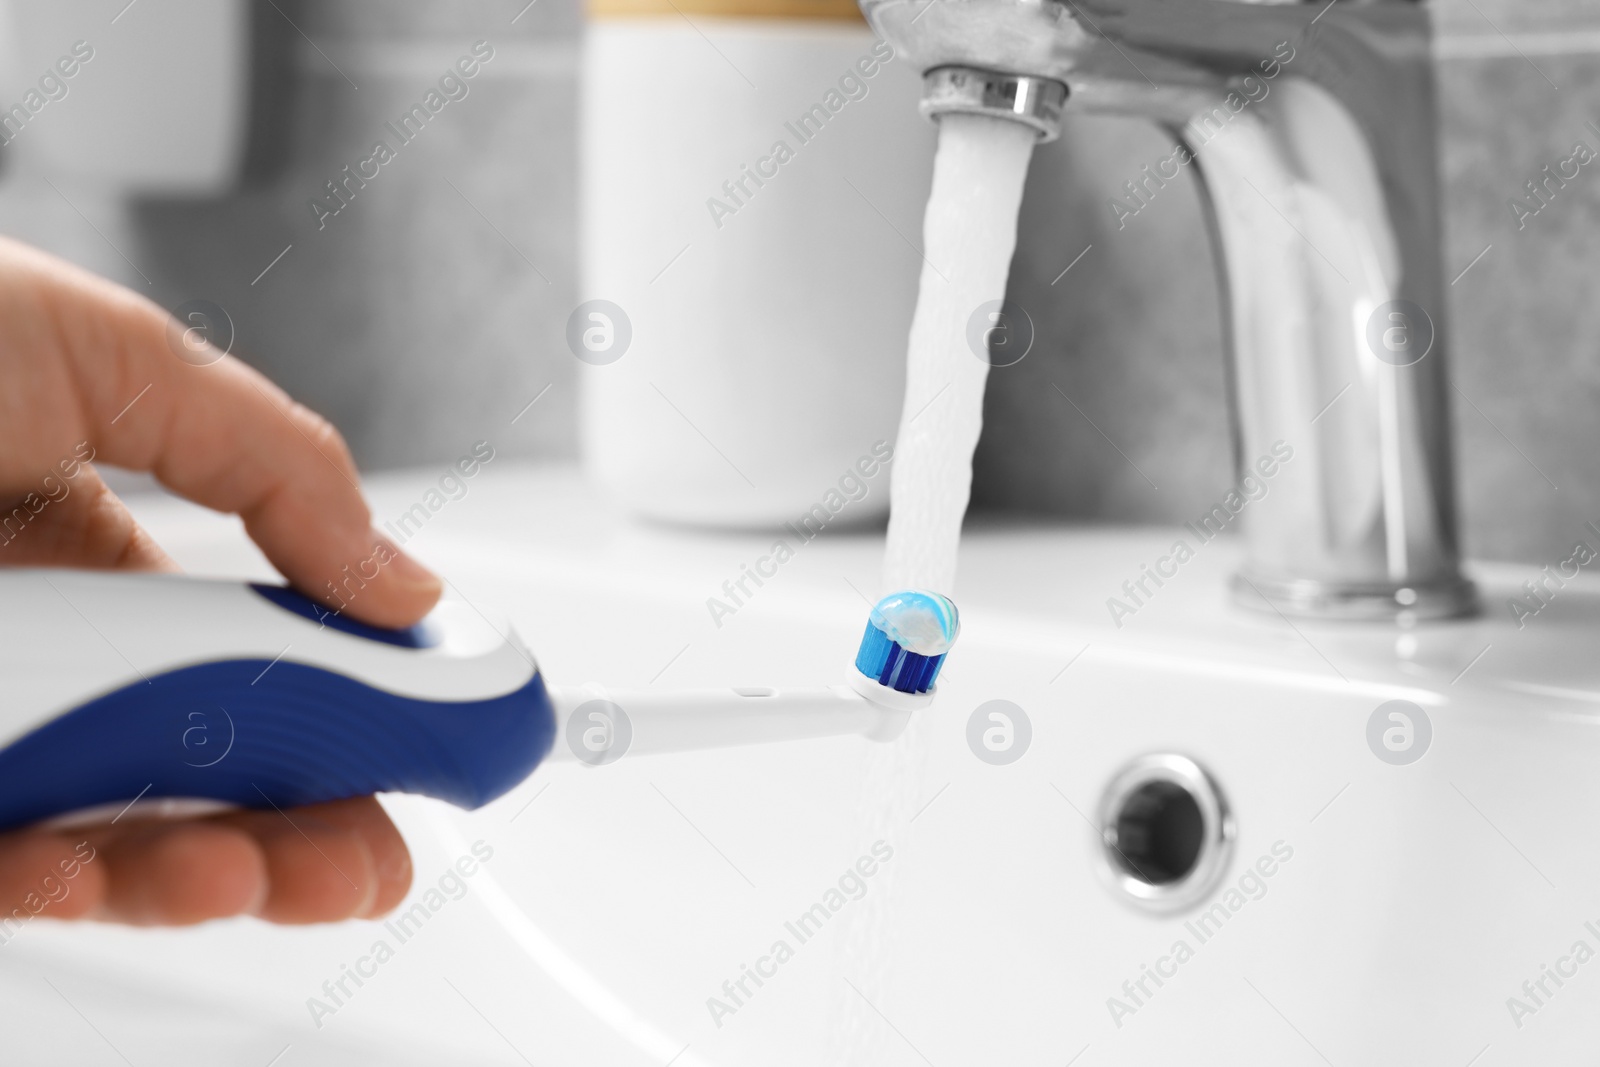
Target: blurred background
{"x":433,"y":310}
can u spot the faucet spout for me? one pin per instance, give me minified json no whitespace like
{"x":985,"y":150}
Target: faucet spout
{"x":1311,"y":128}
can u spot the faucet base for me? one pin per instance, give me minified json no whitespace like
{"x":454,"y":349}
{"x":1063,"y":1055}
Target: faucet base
{"x":1451,"y":597}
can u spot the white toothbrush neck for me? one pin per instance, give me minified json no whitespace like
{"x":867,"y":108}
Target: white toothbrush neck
{"x":654,"y":721}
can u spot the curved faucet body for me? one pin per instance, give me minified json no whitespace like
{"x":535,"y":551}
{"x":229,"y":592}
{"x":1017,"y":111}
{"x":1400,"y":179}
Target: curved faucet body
{"x":1312,"y":130}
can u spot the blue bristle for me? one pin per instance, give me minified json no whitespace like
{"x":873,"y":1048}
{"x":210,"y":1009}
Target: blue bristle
{"x":875,"y":652}
{"x":891,"y":666}
{"x":884,"y":660}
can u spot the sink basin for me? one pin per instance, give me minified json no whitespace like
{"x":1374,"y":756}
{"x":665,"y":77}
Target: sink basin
{"x":1378,"y":905}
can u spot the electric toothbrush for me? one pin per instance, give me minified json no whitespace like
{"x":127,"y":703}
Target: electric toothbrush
{"x":139,"y":686}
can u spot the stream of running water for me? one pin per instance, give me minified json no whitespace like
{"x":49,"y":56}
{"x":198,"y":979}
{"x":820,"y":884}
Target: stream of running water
{"x":969,"y":235}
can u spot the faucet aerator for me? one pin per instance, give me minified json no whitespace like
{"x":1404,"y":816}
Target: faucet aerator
{"x":1034,"y":102}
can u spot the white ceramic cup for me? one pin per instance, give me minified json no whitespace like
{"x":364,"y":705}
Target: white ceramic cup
{"x":764,"y":319}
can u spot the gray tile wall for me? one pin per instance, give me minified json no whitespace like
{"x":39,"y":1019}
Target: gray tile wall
{"x":1118,"y":413}
{"x":431,"y":309}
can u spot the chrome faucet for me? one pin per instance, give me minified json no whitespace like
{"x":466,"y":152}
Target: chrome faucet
{"x":1311,"y":126}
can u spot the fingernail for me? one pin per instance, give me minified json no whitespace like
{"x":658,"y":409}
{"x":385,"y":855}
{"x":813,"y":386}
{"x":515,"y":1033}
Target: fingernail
{"x":403,"y":566}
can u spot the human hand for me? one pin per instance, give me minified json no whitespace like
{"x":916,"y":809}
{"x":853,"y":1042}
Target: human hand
{"x":85,"y":363}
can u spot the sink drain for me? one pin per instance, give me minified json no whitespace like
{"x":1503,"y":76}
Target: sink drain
{"x":1165,"y":831}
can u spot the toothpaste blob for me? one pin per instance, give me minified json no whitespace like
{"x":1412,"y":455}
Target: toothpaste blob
{"x":908,"y":634}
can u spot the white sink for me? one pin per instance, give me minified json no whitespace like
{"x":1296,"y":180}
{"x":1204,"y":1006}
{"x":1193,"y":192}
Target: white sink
{"x":1417,"y":898}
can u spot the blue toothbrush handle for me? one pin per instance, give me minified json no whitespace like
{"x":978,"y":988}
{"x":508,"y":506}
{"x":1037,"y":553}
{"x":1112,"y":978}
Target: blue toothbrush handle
{"x":251,"y":696}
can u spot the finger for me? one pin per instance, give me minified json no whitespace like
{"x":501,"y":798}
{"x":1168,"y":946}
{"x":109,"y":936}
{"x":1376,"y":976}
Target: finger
{"x":317,"y":871}
{"x":391,"y":860}
{"x":180,"y":873}
{"x":78,"y":522}
{"x":221,"y":435}
{"x":44,"y":874}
